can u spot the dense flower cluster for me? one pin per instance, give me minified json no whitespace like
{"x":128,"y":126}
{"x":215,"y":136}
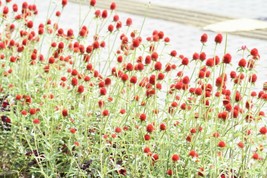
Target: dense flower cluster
{"x":111,"y":102}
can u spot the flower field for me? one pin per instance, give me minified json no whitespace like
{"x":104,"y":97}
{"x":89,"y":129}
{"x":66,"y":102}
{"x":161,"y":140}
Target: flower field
{"x":103,"y":100}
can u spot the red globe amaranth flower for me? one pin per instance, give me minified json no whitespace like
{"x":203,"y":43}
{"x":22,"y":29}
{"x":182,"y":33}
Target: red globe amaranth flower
{"x":80,"y":89}
{"x":118,"y":130}
{"x":169,"y":172}
{"x":32,"y":111}
{"x":254,"y":52}
{"x":263,"y":130}
{"x":221,"y":144}
{"x":36,"y":121}
{"x":162,"y":126}
{"x":202,"y":56}
{"x":158,"y":66}
{"x":147,"y":150}
{"x":129,"y":22}
{"x":92,"y":2}
{"x":147,"y":137}
{"x":155,"y":157}
{"x":64,"y":3}
{"x":210,"y":62}
{"x":175,"y":157}
{"x":65,"y":113}
{"x":218,"y":38}
{"x":241,"y":145}
{"x":149,"y":128}
{"x":113,"y":6}
{"x":73,"y":130}
{"x":142,"y":117}
{"x":103,"y":91}
{"x":193,"y":153}
{"x":227,"y":58}
{"x":30,"y":24}
{"x":173,"y":53}
{"x":252,"y":78}
{"x":105,"y":112}
{"x":256,"y":156}
{"x":204,"y":38}
{"x":242,"y":63}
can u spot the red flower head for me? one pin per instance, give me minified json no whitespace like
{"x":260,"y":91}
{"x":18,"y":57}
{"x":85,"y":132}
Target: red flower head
{"x":105,"y":112}
{"x":221,"y":144}
{"x":169,"y":172}
{"x":142,"y":117}
{"x":73,"y":130}
{"x":158,"y":66}
{"x":92,"y":2}
{"x":256,"y":156}
{"x":175,"y":157}
{"x":204,"y":38}
{"x":162,"y":126}
{"x":81,"y":89}
{"x":36,"y":121}
{"x":241,"y":145}
{"x":129,"y":22}
{"x":193,"y":153}
{"x":263,"y":130}
{"x":227,"y":58}
{"x":64,"y":3}
{"x":113,"y":6}
{"x":218,"y":38}
{"x":254,"y":52}
{"x":242,"y":63}
{"x":149,"y":128}
{"x":65,"y":112}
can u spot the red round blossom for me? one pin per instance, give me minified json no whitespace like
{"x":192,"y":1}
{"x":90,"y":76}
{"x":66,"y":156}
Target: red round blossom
{"x":254,"y":52}
{"x":105,"y":112}
{"x":158,"y":66}
{"x":241,"y":145}
{"x":147,"y":137}
{"x":210,"y":62}
{"x":162,"y":126}
{"x":227,"y":58}
{"x":263,"y":130}
{"x":218,"y":38}
{"x":175,"y":157}
{"x":149,"y":128}
{"x":193,"y":153}
{"x":73,"y":130}
{"x":36,"y":121}
{"x":129,"y":22}
{"x":65,"y":113}
{"x":64,"y":2}
{"x":133,"y":79}
{"x":113,"y":6}
{"x":142,"y":117}
{"x":147,"y":150}
{"x":118,"y":130}
{"x":103,"y":91}
{"x":202,"y":56}
{"x":221,"y":144}
{"x":253,"y":78}
{"x":92,"y":2}
{"x":81,"y":89}
{"x":155,"y":157}
{"x":242,"y":62}
{"x":173,"y":53}
{"x":256,"y":156}
{"x":169,"y":172}
{"x":185,"y":61}
{"x":204,"y":38}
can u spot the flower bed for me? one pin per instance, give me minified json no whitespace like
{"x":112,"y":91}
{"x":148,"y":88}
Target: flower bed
{"x":108,"y":102}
